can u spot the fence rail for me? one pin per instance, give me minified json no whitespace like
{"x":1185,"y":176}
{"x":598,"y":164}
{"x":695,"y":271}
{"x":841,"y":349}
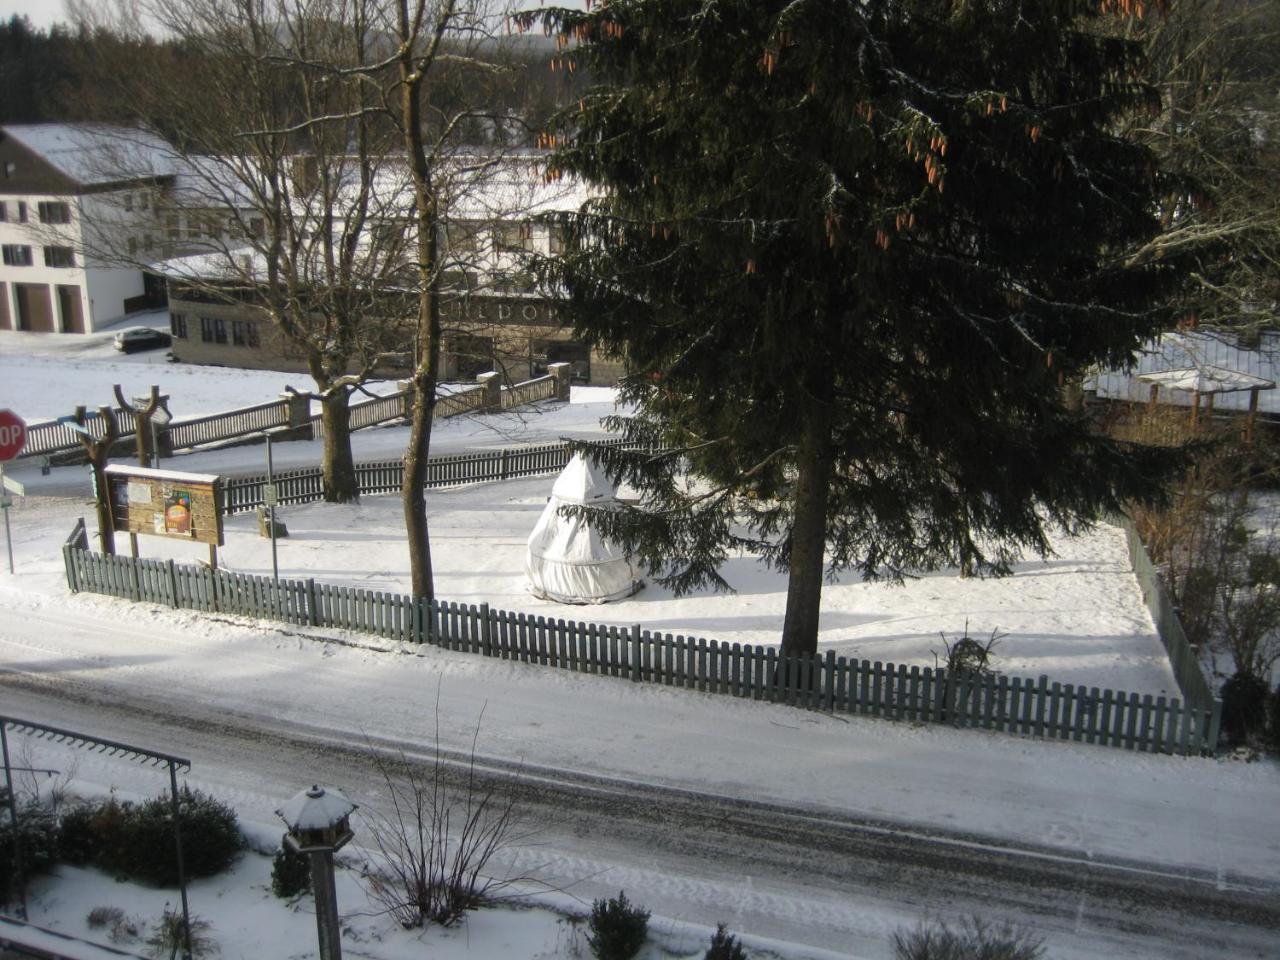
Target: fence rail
{"x":1037,"y":708}
{"x":1183,"y":655}
{"x":531,"y":391}
{"x":44,"y":439}
{"x":53,"y":437}
{"x":216,"y":427}
{"x":306,"y":485}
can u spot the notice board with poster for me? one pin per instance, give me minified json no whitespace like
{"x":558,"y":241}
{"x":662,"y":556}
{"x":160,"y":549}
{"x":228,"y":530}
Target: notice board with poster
{"x":166,"y":503}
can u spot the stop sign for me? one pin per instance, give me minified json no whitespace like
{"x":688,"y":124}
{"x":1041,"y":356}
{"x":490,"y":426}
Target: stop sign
{"x":13,"y":434}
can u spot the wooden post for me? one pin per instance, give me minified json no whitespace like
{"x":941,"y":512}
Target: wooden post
{"x":1195,"y":410}
{"x":1153,"y":398}
{"x":142,"y":424}
{"x":97,"y":451}
{"x":1252,"y":418}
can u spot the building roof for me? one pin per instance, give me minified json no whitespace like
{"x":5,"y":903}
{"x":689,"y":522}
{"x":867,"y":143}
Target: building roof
{"x":1207,"y":379}
{"x":96,"y":153}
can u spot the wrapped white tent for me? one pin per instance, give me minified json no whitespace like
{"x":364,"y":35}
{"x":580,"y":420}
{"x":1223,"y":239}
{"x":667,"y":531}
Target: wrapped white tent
{"x":568,"y":560}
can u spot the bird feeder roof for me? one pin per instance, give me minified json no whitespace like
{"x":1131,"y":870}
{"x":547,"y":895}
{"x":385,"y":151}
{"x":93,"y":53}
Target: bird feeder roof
{"x":316,"y":808}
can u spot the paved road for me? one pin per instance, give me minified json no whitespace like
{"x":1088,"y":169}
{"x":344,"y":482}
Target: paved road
{"x":804,"y":875}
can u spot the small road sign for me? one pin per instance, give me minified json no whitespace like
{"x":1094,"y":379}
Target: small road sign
{"x":270,"y":496}
{"x":12,"y":485}
{"x":13,"y":435}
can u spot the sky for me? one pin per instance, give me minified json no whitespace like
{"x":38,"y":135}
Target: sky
{"x":41,"y":13}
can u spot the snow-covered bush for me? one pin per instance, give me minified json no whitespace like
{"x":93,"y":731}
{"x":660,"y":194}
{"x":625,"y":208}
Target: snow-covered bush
{"x":137,"y":840}
{"x":724,"y":946}
{"x":38,"y":843}
{"x":618,"y":928}
{"x":1273,"y":729}
{"x":971,"y":939}
{"x":1244,"y":707}
{"x":290,"y":872}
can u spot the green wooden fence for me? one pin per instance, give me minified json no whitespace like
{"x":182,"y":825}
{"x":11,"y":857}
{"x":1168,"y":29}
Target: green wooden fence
{"x":1019,"y":705}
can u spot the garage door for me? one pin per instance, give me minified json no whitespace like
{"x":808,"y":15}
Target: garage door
{"x":69,"y":309}
{"x":35,"y":308}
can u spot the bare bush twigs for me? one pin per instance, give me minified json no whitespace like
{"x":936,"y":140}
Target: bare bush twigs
{"x":438,"y":839}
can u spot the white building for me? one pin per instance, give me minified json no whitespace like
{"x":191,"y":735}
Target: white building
{"x":55,"y":181}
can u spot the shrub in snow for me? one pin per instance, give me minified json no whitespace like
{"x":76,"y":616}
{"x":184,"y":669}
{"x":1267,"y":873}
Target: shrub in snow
{"x":120,"y":927}
{"x":968,"y":655}
{"x":167,"y":940}
{"x":972,"y":939}
{"x":1274,"y":731}
{"x":290,"y":872}
{"x":137,"y":840}
{"x":1244,"y":707}
{"x":78,"y":834}
{"x":618,"y":928}
{"x":37,"y":835}
{"x":724,"y":946}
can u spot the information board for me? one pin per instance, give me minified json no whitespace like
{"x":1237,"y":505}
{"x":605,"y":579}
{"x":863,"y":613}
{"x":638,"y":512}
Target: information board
{"x":166,"y":503}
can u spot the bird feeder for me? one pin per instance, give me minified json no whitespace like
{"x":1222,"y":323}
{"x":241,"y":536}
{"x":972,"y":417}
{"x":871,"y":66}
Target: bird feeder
{"x":318,"y":819}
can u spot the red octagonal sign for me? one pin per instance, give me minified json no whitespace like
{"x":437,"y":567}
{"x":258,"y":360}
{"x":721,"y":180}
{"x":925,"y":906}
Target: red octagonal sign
{"x":13,"y":434}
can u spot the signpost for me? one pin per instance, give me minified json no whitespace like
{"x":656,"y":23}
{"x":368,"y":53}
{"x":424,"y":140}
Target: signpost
{"x":13,"y":436}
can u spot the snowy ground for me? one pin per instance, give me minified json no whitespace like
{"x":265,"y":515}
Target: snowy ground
{"x":1077,"y":618}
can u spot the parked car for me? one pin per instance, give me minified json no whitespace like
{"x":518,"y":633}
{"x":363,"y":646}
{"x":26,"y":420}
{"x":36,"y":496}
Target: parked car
{"x":141,"y":338}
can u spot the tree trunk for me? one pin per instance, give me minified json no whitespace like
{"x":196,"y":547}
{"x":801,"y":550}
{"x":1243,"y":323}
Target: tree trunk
{"x":412,"y":72}
{"x":808,"y":533}
{"x":413,"y":493}
{"x":339,"y":468}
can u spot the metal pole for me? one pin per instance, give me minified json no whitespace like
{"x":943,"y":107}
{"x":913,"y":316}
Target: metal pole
{"x":271,"y":518}
{"x":182,"y":873}
{"x":4,"y":505}
{"x":13,"y":821}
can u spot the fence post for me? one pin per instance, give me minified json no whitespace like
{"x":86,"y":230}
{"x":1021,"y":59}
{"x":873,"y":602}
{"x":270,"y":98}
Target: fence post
{"x":486,"y":631}
{"x":561,"y":372}
{"x":173,"y":584}
{"x":492,"y":386}
{"x":1215,"y":727}
{"x":313,"y":614}
{"x":502,"y":470}
{"x":298,"y":408}
{"x":69,"y":562}
{"x":636,"y":667}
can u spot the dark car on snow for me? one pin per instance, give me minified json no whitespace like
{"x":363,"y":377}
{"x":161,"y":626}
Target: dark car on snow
{"x":141,"y":338}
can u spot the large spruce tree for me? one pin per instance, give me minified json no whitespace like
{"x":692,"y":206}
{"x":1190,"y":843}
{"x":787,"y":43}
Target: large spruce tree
{"x":850,"y":250}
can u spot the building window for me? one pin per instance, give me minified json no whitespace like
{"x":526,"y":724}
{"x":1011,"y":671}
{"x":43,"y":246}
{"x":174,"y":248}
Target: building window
{"x":464,"y":236}
{"x":128,"y":203}
{"x":4,"y":212}
{"x":22,"y":211}
{"x":171,"y":227}
{"x":206,"y":329}
{"x":59,"y":257}
{"x":239,"y":336}
{"x":16,"y":255}
{"x":131,"y":244}
{"x":513,"y":237}
{"x":9,"y":169}
{"x":219,"y":330}
{"x":555,"y":239}
{"x":52,"y":211}
{"x":257,"y":227}
{"x":147,"y":242}
{"x":178,"y":325}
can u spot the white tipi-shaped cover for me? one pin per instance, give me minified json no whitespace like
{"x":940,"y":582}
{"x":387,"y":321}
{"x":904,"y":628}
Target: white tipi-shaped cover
{"x":568,"y":561}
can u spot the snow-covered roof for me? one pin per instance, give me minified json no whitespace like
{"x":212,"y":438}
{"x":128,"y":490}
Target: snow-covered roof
{"x":96,"y":153}
{"x":316,"y":808}
{"x":1200,"y":351}
{"x":1207,"y":379}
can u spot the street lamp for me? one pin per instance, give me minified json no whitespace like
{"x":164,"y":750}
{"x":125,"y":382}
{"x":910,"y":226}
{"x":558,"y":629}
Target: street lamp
{"x":317,"y":819}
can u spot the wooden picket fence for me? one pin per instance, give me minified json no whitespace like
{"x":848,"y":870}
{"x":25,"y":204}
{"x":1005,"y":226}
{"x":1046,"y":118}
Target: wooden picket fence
{"x":1035,"y":708}
{"x":306,"y":485}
